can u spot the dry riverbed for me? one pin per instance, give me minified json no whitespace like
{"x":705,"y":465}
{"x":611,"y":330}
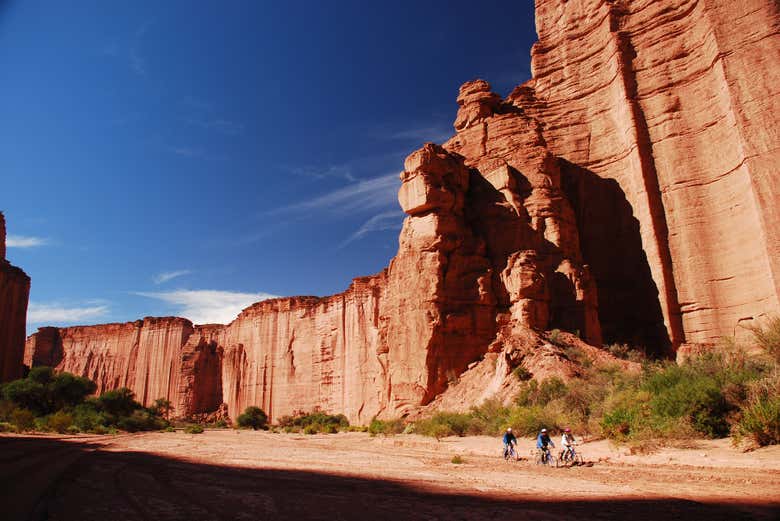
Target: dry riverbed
{"x":226,"y":474}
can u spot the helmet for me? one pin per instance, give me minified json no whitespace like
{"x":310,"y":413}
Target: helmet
{"x":544,"y":430}
{"x":509,"y":429}
{"x":568,"y":429}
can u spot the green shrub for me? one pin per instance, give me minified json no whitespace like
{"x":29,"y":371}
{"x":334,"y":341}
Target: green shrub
{"x":457,"y":460}
{"x":253,"y":417}
{"x":444,"y":424}
{"x":162,"y":407}
{"x":73,"y":430}
{"x":311,"y":429}
{"x":556,"y":338}
{"x":86,"y":417}
{"x":60,"y":421}
{"x":23,"y":419}
{"x":169,"y":428}
{"x":767,"y":336}
{"x":68,"y":390}
{"x":118,"y":403}
{"x":387,"y":427}
{"x":320,"y":421}
{"x":27,"y":394}
{"x":7,"y":427}
{"x":521,"y":373}
{"x":761,"y":421}
{"x":194,"y":429}
{"x":100,"y":429}
{"x":140,"y":420}
{"x":6,"y":408}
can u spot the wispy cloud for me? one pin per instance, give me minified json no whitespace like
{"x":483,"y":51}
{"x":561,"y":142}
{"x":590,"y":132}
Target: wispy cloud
{"x":22,"y":241}
{"x":186,"y":151}
{"x":58,"y":314}
{"x":332,"y":171}
{"x":137,"y":63}
{"x":128,"y":50}
{"x":380,"y":222}
{"x":223,"y":126}
{"x":370,"y":194}
{"x":435,"y":133}
{"x":200,"y":113}
{"x":165,"y":276}
{"x":204,"y":306}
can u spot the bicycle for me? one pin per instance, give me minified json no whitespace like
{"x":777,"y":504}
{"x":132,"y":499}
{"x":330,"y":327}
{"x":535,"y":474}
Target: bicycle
{"x":545,"y":457}
{"x":570,"y":457}
{"x":510,"y":454}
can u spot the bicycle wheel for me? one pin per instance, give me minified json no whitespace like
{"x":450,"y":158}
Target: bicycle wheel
{"x":552,"y":461}
{"x":578,"y":460}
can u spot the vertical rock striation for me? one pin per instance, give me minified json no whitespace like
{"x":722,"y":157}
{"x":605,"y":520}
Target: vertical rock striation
{"x":676,"y":101}
{"x":14,"y":294}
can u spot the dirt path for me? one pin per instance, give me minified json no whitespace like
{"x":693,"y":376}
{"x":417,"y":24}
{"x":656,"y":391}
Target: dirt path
{"x":225,"y":475}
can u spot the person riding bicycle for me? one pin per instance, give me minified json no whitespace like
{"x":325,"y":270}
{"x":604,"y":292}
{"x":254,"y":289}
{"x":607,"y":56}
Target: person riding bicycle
{"x":568,"y":442}
{"x":542,"y":442}
{"x":510,"y":441}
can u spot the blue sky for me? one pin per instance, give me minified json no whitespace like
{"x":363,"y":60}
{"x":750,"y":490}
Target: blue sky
{"x":189,"y":158}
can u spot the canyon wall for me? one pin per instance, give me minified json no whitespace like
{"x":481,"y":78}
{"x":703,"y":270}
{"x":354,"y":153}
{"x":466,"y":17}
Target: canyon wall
{"x":624,"y":194}
{"x":14,"y":293}
{"x":677,"y":101}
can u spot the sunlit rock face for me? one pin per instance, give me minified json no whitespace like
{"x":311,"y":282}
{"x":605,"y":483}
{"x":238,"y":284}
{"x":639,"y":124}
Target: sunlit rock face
{"x":666,"y":112}
{"x":14,"y":293}
{"x":625,"y":194}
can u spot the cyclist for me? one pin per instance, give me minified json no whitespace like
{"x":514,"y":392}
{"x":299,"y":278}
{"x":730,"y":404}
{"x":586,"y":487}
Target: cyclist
{"x":542,"y":442}
{"x":510,"y":441}
{"x":568,"y":442}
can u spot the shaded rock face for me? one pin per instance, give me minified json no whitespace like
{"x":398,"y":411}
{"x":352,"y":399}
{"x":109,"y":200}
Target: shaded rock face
{"x":624,"y":193}
{"x":14,"y":294}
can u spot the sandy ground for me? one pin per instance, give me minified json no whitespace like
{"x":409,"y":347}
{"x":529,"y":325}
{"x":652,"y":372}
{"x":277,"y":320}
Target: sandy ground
{"x":225,"y":474}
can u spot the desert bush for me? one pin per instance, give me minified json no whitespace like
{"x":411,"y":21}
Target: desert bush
{"x":556,"y":338}
{"x":253,"y":417}
{"x":162,"y":407}
{"x":457,"y":460}
{"x":6,"y":408}
{"x":7,"y":427}
{"x":23,"y":419}
{"x":760,"y":421}
{"x":626,"y":352}
{"x":68,"y":390}
{"x":194,"y":429}
{"x":27,"y":394}
{"x":767,"y":337}
{"x":311,"y":429}
{"x":60,"y":421}
{"x":140,"y":420}
{"x":386,"y":427}
{"x":316,"y":421}
{"x":444,"y":424}
{"x":521,"y":373}
{"x":118,"y":403}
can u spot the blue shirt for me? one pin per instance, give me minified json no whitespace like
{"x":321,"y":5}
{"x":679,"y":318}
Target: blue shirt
{"x":543,"y":440}
{"x":509,"y":438}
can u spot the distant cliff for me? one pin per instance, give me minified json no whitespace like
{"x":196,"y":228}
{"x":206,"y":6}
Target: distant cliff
{"x":14,"y":293}
{"x":626,"y":193}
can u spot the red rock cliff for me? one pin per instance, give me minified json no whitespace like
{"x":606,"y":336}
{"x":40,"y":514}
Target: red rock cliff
{"x":14,"y":293}
{"x":677,"y":101}
{"x":624,"y":193}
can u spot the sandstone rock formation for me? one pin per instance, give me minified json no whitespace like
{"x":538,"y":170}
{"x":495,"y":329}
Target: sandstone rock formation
{"x":14,"y":293}
{"x":624,"y":193}
{"x":676,"y":104}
